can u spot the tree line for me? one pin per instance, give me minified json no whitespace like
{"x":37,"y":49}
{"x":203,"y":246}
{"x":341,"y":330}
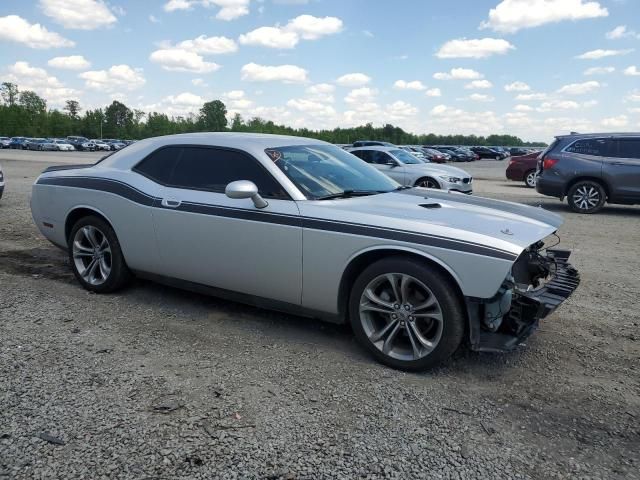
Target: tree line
{"x":24,"y":113}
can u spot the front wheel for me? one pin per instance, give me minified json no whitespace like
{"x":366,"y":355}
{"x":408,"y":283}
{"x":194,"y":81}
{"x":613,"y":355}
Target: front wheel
{"x":406,"y":314}
{"x":530,"y":178}
{"x":427,"y":183}
{"x":586,"y":196}
{"x":96,"y":257}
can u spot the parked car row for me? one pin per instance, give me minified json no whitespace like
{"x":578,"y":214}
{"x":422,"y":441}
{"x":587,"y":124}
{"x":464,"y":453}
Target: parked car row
{"x":70,"y":143}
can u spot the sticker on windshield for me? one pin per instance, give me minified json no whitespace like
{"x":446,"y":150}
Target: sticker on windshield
{"x":274,"y":155}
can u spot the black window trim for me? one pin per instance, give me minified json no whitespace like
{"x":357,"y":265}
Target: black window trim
{"x":182,"y":146}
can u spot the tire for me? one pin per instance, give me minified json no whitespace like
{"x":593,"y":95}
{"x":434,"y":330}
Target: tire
{"x":498,"y":157}
{"x":530,"y":178}
{"x":400,"y":334}
{"x":110,"y":271}
{"x":427,"y":182}
{"x":586,"y":196}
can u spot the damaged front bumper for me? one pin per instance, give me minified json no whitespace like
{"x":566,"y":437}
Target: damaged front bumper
{"x":527,"y":307}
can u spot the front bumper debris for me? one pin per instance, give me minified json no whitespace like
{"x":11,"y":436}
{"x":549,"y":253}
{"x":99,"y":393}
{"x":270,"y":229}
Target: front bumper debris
{"x":527,"y":308}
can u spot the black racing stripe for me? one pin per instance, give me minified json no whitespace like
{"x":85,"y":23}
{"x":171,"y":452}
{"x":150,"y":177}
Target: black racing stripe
{"x":239,"y":213}
{"x":409,"y":237}
{"x":102,"y":184}
{"x":127,"y":191}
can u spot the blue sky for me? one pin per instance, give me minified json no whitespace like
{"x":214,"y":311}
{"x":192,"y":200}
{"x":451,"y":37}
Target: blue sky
{"x":533,"y":68}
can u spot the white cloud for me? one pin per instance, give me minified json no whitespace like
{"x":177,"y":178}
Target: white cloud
{"x":362,"y":99}
{"x":272,"y":37}
{"x":525,"y":97}
{"x":237,"y":100}
{"x":621,"y":31}
{"x":115,"y":77}
{"x":480,"y":97}
{"x":154,"y":19}
{"x":634,"y":96}
{"x":600,"y":53}
{"x":615,"y":122}
{"x":447,"y":120}
{"x":305,"y":27}
{"x":185,"y":99}
{"x":16,"y":29}
{"x":523,"y":108}
{"x":312,"y":28}
{"x":458,"y":74}
{"x":579,"y":88}
{"x":266,"y":73}
{"x":399,"y":110}
{"x":179,"y":60}
{"x":509,"y":16}
{"x":209,"y":45}
{"x":79,"y":14}
{"x":72,"y":62}
{"x":353,"y":80}
{"x":599,"y":70}
{"x":517,"y":87}
{"x":321,"y":92}
{"x":199,"y":82}
{"x":558,"y":105}
{"x":478,"y":84}
{"x":311,"y":107}
{"x":39,"y":81}
{"x":632,"y":71}
{"x":474,"y":48}
{"x":433,"y":92}
{"x":229,"y":9}
{"x":411,"y":85}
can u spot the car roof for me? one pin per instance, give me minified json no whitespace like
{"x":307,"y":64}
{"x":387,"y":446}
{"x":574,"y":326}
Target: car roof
{"x":605,"y":134}
{"x":382,"y":148}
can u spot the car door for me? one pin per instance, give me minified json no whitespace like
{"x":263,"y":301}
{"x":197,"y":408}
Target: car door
{"x":388,"y":165}
{"x":207,"y":238}
{"x":621,"y":169}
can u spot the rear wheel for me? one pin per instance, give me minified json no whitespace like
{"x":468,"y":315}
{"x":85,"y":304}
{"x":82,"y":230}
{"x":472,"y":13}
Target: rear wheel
{"x":530,"y":179}
{"x":406,"y":314}
{"x":427,"y":182}
{"x":586,"y":196}
{"x":96,"y":257}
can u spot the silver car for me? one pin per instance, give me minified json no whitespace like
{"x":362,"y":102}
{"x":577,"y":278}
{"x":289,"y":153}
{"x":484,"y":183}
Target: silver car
{"x":302,"y":226}
{"x":408,"y":170}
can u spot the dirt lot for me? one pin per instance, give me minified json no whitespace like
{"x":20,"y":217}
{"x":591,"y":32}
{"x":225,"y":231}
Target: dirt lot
{"x":158,"y":383}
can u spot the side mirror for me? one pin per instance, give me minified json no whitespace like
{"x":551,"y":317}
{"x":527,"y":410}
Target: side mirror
{"x":245,"y":189}
{"x":392,"y":164}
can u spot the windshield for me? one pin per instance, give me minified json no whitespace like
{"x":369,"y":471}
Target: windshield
{"x":323,"y":170}
{"x":405,"y":157}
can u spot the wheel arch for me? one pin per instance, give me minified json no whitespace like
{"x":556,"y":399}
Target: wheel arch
{"x":362,"y":259}
{"x":602,"y":182}
{"x":80,"y":211}
{"x":426,"y":177}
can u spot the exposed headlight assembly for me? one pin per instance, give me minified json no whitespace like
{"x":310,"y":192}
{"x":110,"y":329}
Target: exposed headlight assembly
{"x":449,"y":179}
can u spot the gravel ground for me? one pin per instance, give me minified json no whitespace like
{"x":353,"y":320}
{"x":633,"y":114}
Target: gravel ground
{"x":159,"y":383}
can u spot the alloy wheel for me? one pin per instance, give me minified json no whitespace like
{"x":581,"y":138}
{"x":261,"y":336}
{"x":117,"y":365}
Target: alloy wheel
{"x":92,"y":255}
{"x":401,"y":316}
{"x":531,"y":179}
{"x":586,"y":197}
{"x":427,"y":183}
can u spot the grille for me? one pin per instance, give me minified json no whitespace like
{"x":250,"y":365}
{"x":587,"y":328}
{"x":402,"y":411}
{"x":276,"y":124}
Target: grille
{"x":466,"y":180}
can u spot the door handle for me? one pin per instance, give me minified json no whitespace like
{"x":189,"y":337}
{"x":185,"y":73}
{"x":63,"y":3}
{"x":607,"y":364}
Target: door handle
{"x":170,"y":202}
{"x":619,"y":163}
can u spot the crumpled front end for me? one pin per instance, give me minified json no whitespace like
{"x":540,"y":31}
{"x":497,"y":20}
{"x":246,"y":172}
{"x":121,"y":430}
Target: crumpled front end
{"x":538,"y":284}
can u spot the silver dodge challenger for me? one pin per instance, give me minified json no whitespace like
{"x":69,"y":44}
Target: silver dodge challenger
{"x":301,"y":226}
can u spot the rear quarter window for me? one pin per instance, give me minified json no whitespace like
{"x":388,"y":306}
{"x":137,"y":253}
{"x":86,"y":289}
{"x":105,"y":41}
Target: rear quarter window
{"x":597,"y":147}
{"x":159,"y":165}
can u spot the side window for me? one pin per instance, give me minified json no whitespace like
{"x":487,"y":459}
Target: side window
{"x":213,"y":169}
{"x":628,"y":148}
{"x":597,"y":147}
{"x":380,"y":158}
{"x":364,"y":155}
{"x":159,"y":165}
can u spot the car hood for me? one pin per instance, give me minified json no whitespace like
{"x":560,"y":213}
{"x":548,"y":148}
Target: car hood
{"x":503,"y":226}
{"x":439,"y":169}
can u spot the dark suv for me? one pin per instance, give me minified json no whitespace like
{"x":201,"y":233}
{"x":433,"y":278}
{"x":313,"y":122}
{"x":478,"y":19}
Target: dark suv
{"x":591,"y":169}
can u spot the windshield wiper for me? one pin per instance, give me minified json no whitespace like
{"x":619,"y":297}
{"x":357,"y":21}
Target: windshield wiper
{"x":402,"y":187}
{"x":351,"y":193}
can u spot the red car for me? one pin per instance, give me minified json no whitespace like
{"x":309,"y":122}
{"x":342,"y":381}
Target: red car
{"x":523,"y":169}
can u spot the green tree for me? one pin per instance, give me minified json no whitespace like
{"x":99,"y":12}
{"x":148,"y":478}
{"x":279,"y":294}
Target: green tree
{"x":213,"y":116}
{"x":236,"y":123}
{"x":118,"y":120}
{"x":72,"y":107}
{"x":9,"y":92}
